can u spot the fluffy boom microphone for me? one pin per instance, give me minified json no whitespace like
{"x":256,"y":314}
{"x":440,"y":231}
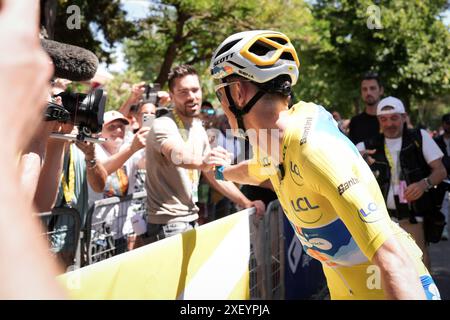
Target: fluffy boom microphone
{"x":71,"y":62}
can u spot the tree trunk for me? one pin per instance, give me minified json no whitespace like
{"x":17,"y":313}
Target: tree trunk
{"x":48,"y":17}
{"x":172,"y":49}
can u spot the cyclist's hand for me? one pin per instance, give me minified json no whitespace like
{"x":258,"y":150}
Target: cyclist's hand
{"x":216,"y":157}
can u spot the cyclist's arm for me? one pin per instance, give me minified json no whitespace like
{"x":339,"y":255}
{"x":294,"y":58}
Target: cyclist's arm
{"x":396,"y":272}
{"x":347,"y":182}
{"x":240,"y":173}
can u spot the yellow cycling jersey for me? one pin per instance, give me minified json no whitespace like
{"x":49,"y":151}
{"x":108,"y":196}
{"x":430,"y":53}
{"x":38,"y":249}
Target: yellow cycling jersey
{"x":333,"y":202}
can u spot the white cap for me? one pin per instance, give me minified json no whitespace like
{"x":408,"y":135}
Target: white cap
{"x":110,"y":116}
{"x":396,"y":104}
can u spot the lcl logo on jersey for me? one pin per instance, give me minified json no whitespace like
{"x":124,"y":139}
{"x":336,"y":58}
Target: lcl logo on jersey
{"x":295,"y":174}
{"x":303,"y":205}
{"x":370,"y":214}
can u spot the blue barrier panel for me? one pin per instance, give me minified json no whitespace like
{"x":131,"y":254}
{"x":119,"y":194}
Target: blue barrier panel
{"x":303,"y":275}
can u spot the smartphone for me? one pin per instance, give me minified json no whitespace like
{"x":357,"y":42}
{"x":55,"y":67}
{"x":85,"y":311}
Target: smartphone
{"x":151,"y":93}
{"x":147,"y":120}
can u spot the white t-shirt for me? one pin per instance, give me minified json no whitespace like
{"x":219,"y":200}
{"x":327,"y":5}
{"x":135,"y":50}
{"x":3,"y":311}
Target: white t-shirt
{"x":117,"y":216}
{"x":431,"y":152}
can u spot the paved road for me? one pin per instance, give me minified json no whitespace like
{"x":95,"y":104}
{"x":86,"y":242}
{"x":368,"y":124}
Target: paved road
{"x":440,"y":266}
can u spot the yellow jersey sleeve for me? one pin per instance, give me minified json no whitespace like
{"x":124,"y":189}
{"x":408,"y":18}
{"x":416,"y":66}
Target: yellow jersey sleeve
{"x":351,"y":188}
{"x":259,"y":166}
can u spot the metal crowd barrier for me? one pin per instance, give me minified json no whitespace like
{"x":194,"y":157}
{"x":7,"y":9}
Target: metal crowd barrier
{"x":103,"y":237}
{"x":63,"y":227}
{"x":108,"y":224}
{"x":267,"y":262}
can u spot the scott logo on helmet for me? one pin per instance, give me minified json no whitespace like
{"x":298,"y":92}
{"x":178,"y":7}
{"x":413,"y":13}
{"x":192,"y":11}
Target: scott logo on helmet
{"x":227,"y":57}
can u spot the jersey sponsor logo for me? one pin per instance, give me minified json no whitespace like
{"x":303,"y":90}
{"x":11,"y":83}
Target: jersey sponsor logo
{"x":227,"y":57}
{"x":321,"y":243}
{"x":295,"y":174}
{"x":346,"y":185}
{"x":370,"y":214}
{"x":331,"y":244}
{"x":306,"y":130}
{"x":302,"y":204}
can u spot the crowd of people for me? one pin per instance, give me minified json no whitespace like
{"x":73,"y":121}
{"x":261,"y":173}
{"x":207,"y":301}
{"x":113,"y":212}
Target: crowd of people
{"x":350,"y":189}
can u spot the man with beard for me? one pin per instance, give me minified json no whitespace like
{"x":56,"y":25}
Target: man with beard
{"x":407,"y":164}
{"x":177,"y":152}
{"x":365,"y":125}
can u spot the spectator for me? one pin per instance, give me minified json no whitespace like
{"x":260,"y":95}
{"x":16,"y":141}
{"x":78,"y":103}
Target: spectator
{"x":404,"y":170}
{"x":177,"y":151}
{"x":340,"y":122}
{"x":365,"y":125}
{"x":443,"y":141}
{"x":120,"y":161}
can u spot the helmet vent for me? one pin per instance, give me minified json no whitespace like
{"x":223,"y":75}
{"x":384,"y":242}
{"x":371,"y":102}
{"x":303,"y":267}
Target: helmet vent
{"x":279,"y":40}
{"x":287,"y":56}
{"x":227,"y":47}
{"x":260,"y":48}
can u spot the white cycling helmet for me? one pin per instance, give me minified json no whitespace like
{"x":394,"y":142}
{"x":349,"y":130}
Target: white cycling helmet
{"x":260,"y":56}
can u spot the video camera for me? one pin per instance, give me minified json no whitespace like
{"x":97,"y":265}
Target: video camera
{"x":83,"y":110}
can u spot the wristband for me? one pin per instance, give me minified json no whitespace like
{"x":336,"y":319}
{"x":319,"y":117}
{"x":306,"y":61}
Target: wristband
{"x":219,"y":173}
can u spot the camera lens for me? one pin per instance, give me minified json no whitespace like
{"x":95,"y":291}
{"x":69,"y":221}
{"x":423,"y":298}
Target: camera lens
{"x":86,"y":110}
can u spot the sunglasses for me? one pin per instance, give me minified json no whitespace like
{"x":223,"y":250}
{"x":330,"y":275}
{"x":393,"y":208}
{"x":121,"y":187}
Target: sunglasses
{"x":209,"y":112}
{"x":220,"y":89}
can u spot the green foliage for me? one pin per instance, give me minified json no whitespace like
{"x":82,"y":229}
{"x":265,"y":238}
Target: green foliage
{"x":187,"y":31}
{"x":118,"y":90}
{"x":410,"y":52}
{"x":333,"y":40}
{"x":105,"y":16}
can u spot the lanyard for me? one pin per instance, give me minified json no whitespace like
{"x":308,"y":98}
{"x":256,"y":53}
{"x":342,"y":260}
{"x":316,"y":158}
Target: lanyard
{"x":180,"y":126}
{"x":117,"y":184}
{"x":69,"y":188}
{"x":394,"y":175}
{"x":193,"y":174}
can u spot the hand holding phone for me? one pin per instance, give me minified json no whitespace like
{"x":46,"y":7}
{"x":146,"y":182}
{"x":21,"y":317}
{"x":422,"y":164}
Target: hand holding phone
{"x":147,"y":120}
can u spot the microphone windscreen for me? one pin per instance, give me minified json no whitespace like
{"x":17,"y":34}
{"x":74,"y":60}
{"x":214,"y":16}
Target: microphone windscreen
{"x":71,"y":62}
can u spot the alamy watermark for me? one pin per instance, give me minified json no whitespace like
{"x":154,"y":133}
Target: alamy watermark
{"x":374,"y":277}
{"x":74,"y":20}
{"x":374,"y":17}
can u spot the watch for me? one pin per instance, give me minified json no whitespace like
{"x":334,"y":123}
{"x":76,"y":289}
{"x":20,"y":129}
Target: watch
{"x":91,"y":163}
{"x":428,"y":183}
{"x":219,"y":173}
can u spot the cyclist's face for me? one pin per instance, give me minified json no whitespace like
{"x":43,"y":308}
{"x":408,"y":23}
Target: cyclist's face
{"x":392,"y":124}
{"x":222,"y":97}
